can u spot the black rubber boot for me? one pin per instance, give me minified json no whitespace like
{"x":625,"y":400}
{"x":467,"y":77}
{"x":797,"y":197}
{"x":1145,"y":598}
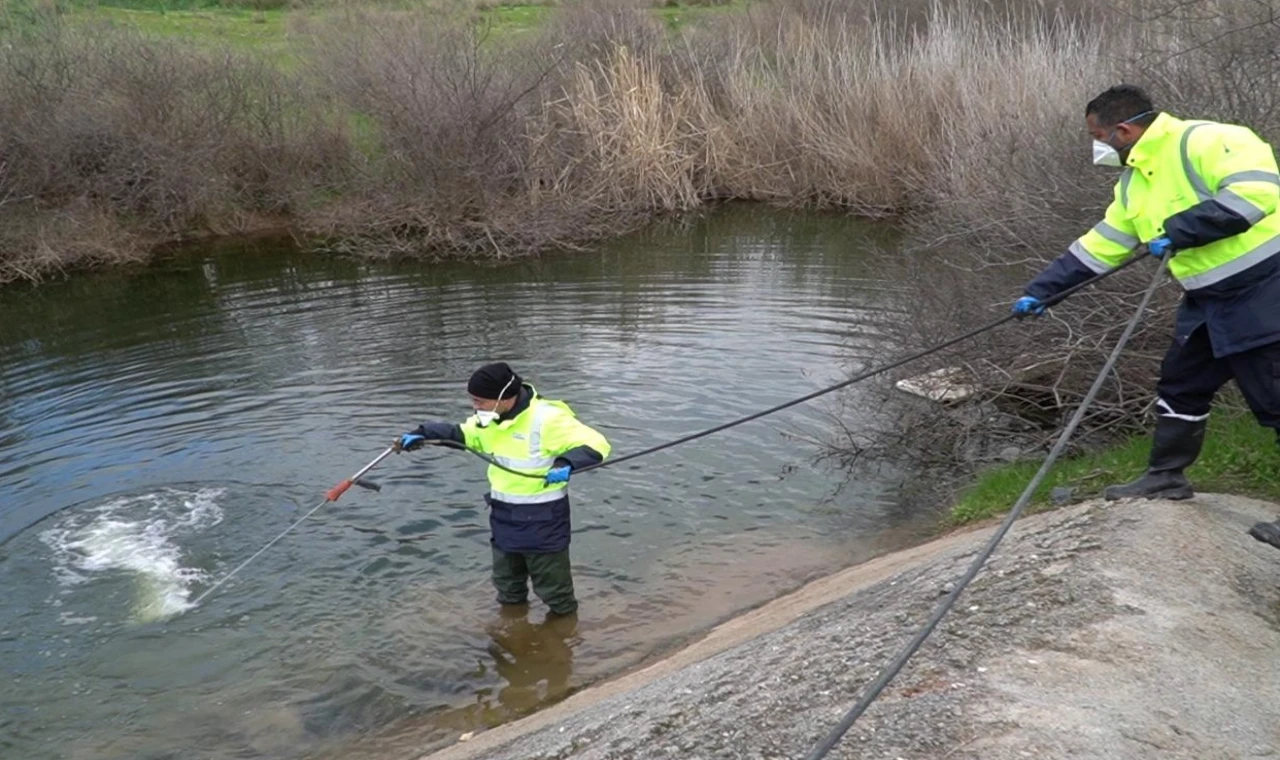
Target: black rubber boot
{"x":1174,"y":447}
{"x":1267,"y":533}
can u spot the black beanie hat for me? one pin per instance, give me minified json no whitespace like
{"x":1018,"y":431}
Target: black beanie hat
{"x":489,"y":380}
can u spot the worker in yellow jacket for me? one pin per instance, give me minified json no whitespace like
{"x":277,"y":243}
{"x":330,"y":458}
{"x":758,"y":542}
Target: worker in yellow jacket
{"x":542,"y":441}
{"x":1206,"y":194}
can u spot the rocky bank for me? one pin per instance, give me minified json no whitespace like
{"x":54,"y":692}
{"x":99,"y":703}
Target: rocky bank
{"x":1103,"y":630}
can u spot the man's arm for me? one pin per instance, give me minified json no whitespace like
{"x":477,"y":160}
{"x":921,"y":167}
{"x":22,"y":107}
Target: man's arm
{"x":1099,"y":250}
{"x":1240,"y":169}
{"x":442,"y":431}
{"x":574,"y":444}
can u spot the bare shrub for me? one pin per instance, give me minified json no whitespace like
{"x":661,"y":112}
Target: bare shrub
{"x":835,"y":103}
{"x":1012,"y":190}
{"x":40,"y":243}
{"x":1214,"y":59}
{"x":591,"y":31}
{"x":498,"y":147}
{"x":445,"y":120}
{"x":162,"y":138}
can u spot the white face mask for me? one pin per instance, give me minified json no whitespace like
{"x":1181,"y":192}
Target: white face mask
{"x":486,"y":417}
{"x":1105,"y":155}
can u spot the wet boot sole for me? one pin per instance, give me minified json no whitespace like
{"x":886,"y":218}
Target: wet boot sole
{"x":1267,"y":533}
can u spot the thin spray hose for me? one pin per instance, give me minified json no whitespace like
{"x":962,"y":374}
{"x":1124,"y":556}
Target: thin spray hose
{"x":888,"y":674}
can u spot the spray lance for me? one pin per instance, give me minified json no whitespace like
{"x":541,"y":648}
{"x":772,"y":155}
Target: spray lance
{"x":335,"y":493}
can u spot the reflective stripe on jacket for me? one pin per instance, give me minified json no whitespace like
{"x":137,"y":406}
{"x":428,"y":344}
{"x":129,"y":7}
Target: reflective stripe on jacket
{"x":1213,"y":189}
{"x":527,"y":514}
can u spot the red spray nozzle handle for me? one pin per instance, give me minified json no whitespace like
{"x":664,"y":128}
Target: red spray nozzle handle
{"x":337,"y":491}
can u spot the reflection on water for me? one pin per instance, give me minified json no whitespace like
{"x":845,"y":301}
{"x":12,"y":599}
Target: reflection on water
{"x":158,"y":425}
{"x":534,"y":659}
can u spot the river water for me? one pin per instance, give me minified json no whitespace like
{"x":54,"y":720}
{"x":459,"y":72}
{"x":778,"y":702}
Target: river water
{"x":159,"y":424}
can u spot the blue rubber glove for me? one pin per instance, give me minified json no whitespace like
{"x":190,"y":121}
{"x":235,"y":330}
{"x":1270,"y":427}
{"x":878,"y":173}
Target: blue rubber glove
{"x":558,"y":474}
{"x":1159,"y":247}
{"x":1028,"y":305}
{"x":410,"y":441}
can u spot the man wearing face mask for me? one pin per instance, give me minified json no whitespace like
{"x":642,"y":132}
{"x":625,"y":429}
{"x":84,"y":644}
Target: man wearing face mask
{"x":1207,"y":192}
{"x":528,"y":516}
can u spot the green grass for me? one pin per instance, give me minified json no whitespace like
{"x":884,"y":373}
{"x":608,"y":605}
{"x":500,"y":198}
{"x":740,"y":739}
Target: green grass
{"x":676,"y":16}
{"x":237,"y":27}
{"x":262,"y":25}
{"x":1239,"y":457}
{"x":166,"y":6}
{"x":513,"y":19}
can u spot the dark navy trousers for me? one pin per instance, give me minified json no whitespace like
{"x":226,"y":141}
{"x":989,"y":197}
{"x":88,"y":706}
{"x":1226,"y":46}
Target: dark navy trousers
{"x":1191,"y":376}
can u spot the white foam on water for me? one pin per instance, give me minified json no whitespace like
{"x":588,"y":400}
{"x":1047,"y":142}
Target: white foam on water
{"x":138,"y":534}
{"x":67,"y":618}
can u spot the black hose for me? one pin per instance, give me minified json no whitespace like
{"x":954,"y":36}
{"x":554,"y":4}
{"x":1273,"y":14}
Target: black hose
{"x":490,"y":460}
{"x":887,"y":675}
{"x":862,"y":375}
{"x":821,"y":392}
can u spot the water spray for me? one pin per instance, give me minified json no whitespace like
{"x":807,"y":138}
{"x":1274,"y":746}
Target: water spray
{"x":332,"y":495}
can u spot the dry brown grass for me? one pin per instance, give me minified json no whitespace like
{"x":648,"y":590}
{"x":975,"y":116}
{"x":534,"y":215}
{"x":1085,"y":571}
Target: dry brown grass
{"x":886,"y":118}
{"x":405,"y":136}
{"x":103,"y":130}
{"x":467,"y":145}
{"x":605,"y":120}
{"x":1014,"y":194}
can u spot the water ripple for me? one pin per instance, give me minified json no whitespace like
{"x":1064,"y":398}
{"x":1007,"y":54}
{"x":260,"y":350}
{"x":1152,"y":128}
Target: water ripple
{"x":265,"y":376}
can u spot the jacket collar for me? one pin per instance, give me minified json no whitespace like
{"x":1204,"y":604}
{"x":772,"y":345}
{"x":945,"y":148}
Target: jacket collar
{"x":527,"y":394}
{"x":1152,"y":143}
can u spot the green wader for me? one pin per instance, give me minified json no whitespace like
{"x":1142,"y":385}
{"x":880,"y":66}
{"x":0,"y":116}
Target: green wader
{"x":551,"y":575}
